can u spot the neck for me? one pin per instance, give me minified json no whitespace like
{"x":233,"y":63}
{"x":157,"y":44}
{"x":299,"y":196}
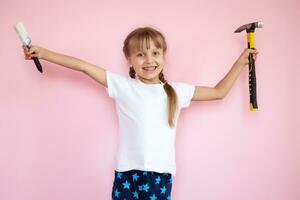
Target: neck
{"x":150,"y":81}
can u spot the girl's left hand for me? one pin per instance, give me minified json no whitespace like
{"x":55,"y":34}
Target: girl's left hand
{"x":243,"y":59}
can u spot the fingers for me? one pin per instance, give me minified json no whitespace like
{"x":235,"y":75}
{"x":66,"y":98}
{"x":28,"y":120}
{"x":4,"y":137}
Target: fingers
{"x":254,"y":53}
{"x":26,"y":52}
{"x":29,"y":53}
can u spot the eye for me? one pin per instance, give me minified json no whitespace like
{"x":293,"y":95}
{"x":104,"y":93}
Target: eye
{"x":139,"y":54}
{"x":156,"y":53}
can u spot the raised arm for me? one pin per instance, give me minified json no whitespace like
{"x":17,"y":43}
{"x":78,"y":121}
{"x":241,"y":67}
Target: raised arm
{"x":223,"y":87}
{"x":95,"y":72}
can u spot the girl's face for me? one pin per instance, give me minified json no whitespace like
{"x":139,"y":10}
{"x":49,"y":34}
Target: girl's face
{"x":147,"y":63}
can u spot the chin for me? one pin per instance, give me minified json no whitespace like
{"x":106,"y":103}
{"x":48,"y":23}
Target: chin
{"x":152,"y":76}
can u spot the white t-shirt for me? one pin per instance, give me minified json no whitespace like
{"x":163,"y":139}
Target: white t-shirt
{"x":146,"y":140}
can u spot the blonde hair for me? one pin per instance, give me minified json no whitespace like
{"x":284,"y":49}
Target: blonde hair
{"x":135,"y":40}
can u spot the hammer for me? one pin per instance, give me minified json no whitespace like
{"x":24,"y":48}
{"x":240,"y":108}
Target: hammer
{"x":250,"y":28}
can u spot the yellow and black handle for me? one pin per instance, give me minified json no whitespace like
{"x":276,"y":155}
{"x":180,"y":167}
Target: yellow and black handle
{"x":252,"y":75}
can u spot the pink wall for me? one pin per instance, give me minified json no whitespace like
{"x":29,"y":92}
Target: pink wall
{"x":58,"y":130}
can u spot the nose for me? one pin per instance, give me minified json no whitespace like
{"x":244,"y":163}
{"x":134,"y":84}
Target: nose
{"x":149,"y":59}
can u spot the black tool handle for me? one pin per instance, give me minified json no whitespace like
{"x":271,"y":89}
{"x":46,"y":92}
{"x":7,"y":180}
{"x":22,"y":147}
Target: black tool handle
{"x":252,"y":82}
{"x":38,"y":64}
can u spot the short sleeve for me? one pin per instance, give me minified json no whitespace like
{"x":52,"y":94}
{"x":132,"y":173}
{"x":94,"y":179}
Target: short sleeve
{"x":116,"y":84}
{"x":184,"y":93}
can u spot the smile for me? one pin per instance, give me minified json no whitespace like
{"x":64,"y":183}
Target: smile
{"x":152,"y":68}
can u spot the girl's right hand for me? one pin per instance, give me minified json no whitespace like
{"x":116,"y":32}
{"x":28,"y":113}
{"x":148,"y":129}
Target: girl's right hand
{"x":34,"y":51}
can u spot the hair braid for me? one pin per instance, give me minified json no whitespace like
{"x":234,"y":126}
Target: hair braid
{"x":131,"y":72}
{"x":172,"y":99}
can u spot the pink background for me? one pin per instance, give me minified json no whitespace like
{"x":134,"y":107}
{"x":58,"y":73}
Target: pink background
{"x":58,"y":130}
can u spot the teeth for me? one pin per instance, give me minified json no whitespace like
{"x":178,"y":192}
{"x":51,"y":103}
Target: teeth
{"x":149,"y":68}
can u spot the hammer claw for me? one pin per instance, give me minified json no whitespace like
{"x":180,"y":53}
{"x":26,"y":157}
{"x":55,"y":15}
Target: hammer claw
{"x":249,"y":26}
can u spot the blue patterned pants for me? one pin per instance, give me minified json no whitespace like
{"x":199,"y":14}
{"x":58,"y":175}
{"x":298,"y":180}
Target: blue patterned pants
{"x":142,"y":185}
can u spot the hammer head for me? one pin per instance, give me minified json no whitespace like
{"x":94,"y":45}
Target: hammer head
{"x":250,"y":26}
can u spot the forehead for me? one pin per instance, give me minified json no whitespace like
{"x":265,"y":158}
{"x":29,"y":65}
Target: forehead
{"x":144,"y":44}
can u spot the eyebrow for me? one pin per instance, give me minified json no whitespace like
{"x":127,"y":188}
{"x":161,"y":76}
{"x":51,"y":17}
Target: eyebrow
{"x":138,"y":51}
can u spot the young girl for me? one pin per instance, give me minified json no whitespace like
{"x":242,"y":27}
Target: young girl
{"x":148,"y":107}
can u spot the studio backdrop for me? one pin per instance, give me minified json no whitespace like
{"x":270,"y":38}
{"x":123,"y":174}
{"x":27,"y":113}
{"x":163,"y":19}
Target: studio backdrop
{"x":59,"y":128}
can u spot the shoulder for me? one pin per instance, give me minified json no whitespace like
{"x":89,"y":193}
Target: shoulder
{"x":184,"y":91}
{"x":117,"y":83}
{"x":116,"y":76}
{"x":181,"y":86}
